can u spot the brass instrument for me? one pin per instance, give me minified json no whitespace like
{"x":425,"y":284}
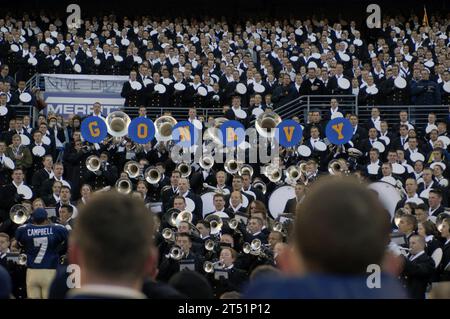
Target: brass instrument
{"x":231,"y":166}
{"x":210,"y":244}
{"x":266,"y":123}
{"x":293,"y":173}
{"x":22,"y":260}
{"x":152,"y":175}
{"x":260,"y":185}
{"x":19,"y":214}
{"x":185,"y":169}
{"x":337,"y":167}
{"x":164,"y":127}
{"x":184,"y":216}
{"x":168,"y":234}
{"x":132,"y":169}
{"x":273,"y":173}
{"x":124,"y":185}
{"x":245,"y":168}
{"x":117,"y":123}
{"x":213,"y":133}
{"x":209,"y":267}
{"x":93,"y":163}
{"x":215,"y":223}
{"x":176,"y":253}
{"x":233,"y":223}
{"x":278,"y":227}
{"x":206,"y":162}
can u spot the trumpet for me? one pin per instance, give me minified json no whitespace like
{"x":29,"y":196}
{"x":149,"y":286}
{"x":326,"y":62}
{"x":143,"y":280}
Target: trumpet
{"x":19,"y":214}
{"x":132,"y":169}
{"x":164,"y":126}
{"x":93,"y":163}
{"x":152,"y":175}
{"x":117,"y":123}
{"x":185,"y":169}
{"x":209,"y":267}
{"x":176,"y":253}
{"x":124,"y":185}
{"x":206,"y":162}
{"x":215,"y":222}
{"x":168,"y":234}
{"x":231,"y":166}
{"x":210,"y":244}
{"x":246,"y":169}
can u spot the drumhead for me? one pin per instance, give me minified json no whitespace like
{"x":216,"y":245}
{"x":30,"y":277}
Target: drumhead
{"x":25,"y":97}
{"x":38,"y":151}
{"x":259,"y":88}
{"x":56,"y":62}
{"x":167,"y":81}
{"x":320,"y":146}
{"x":386,"y":139}
{"x":372,"y":90}
{"x":446,"y":87}
{"x":241,"y":88}
{"x":46,"y":140}
{"x":3,"y":110}
{"x":33,"y":61}
{"x":344,"y":57}
{"x":444,"y":140}
{"x":147,"y":82}
{"x":278,"y":199}
{"x":357,"y":42}
{"x":190,"y":205}
{"x":61,"y":46}
{"x":343,"y":83}
{"x":400,"y":82}
{"x":125,"y":42}
{"x":77,"y":68}
{"x":137,"y":59}
{"x":294,"y":58}
{"x":42,"y":46}
{"x":336,"y":115}
{"x":257,"y":111}
{"x":379,"y":146}
{"x":97,"y":61}
{"x":9,"y":163}
{"x":208,"y":203}
{"x":240,"y":114}
{"x":372,"y":169}
{"x":135,"y":85}
{"x":388,"y":195}
{"x":312,"y":65}
{"x":15,"y":48}
{"x":398,"y":169}
{"x":429,"y":128}
{"x":161,"y":89}
{"x":118,"y":58}
{"x":24,"y":140}
{"x":417,"y":157}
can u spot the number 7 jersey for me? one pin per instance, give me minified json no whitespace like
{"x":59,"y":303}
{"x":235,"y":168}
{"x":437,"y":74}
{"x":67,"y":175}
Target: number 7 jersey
{"x":42,"y":244}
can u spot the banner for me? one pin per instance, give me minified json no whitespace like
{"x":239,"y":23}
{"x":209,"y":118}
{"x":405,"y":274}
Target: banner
{"x":81,"y":83}
{"x":68,"y":94}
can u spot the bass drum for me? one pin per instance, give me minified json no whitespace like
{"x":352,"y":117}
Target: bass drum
{"x":279,"y":198}
{"x":208,"y":202}
{"x":388,"y":195}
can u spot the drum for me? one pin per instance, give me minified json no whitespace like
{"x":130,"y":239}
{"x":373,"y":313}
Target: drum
{"x":167,"y":81}
{"x":46,"y":140}
{"x":372,"y":90}
{"x":77,"y":68}
{"x":190,"y":205}
{"x":8,"y":163}
{"x":279,"y":198}
{"x":417,"y":157}
{"x":3,"y":110}
{"x":33,"y":61}
{"x":304,"y":151}
{"x":387,"y":194}
{"x":125,"y":42}
{"x":208,"y":202}
{"x":240,"y":114}
{"x":38,"y":151}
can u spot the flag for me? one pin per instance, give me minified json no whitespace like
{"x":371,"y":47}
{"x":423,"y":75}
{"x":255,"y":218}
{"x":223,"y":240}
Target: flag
{"x":425,"y":17}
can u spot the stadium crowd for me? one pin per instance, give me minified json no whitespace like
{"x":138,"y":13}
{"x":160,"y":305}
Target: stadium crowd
{"x":246,"y":70}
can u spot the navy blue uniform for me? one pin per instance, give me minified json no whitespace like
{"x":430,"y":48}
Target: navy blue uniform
{"x":42,"y":244}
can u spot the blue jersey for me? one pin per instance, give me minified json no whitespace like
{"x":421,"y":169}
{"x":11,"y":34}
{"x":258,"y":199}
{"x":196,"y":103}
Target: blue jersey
{"x":42,"y":244}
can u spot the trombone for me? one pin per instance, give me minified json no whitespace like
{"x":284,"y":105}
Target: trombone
{"x":93,"y":163}
{"x":19,"y":214}
{"x":124,"y":185}
{"x":132,"y":169}
{"x":152,"y":175}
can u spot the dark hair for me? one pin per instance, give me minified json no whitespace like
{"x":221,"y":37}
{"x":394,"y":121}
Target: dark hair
{"x":436,"y":191}
{"x":192,"y":284}
{"x":353,"y":232}
{"x":114,"y":232}
{"x":430,"y":228}
{"x":411,"y":219}
{"x":69,"y":208}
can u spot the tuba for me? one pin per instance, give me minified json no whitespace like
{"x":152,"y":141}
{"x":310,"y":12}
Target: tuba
{"x":231,"y":166}
{"x":206,"y":162}
{"x":246,"y":168}
{"x":168,"y":234}
{"x":164,"y":127}
{"x":337,"y":167}
{"x":19,"y":214}
{"x":215,"y":222}
{"x":184,"y":216}
{"x":152,"y":175}
{"x":117,"y":123}
{"x":260,"y":185}
{"x":93,"y":163}
{"x":273,"y":173}
{"x":176,"y":253}
{"x":132,"y":169}
{"x":185,"y":169}
{"x":266,"y":123}
{"x":209,"y":245}
{"x":293,"y":173}
{"x":124,"y":185}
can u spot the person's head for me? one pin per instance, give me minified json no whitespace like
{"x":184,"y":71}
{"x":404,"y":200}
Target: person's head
{"x":373,"y":133}
{"x":275,"y":237}
{"x":374,"y":155}
{"x":203,"y":227}
{"x":255,"y":225}
{"x":142,"y":188}
{"x":65,"y":194}
{"x":65,"y":213}
{"x":16,"y":140}
{"x":444,"y":228}
{"x":56,"y":187}
{"x":228,"y":256}
{"x":58,"y":169}
{"x":179,"y":203}
{"x":410,"y":208}
{"x":411,"y":186}
{"x":183,"y":240}
{"x":386,"y":169}
{"x":299,"y":190}
{"x":426,"y":228}
{"x":362,"y":216}
{"x":86,"y":191}
{"x":427,"y":175}
{"x":219,"y":202}
{"x":17,"y":175}
{"x":106,"y":228}
{"x":174,"y":178}
{"x":4,"y":242}
{"x":315,"y":134}
{"x":227,"y":239}
{"x":246,"y":180}
{"x":237,"y":183}
{"x":434,"y":198}
{"x":256,"y":206}
{"x":47,"y":161}
{"x":183,"y":185}
{"x":421,"y":213}
{"x":416,"y":244}
{"x":192,"y":285}
{"x":221,"y":178}
{"x":236,"y":198}
{"x":407,"y":224}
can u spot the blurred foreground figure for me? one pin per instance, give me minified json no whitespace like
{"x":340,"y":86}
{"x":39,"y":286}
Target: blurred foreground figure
{"x":338,"y":242}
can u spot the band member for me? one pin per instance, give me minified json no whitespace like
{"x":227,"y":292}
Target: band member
{"x":291,"y":204}
{"x":43,"y":243}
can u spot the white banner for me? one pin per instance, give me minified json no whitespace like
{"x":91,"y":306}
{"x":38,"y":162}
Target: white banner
{"x":81,"y":83}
